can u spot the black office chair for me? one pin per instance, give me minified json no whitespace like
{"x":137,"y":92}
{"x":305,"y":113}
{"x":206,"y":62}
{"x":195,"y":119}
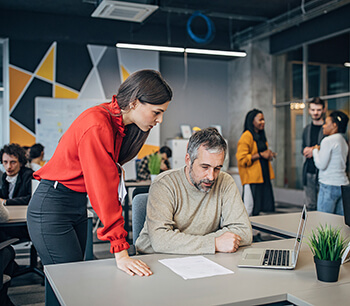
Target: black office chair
{"x":345,"y":192}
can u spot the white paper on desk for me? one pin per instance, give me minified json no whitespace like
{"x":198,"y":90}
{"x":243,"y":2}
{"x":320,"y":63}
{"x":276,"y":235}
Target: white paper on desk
{"x":194,"y":267}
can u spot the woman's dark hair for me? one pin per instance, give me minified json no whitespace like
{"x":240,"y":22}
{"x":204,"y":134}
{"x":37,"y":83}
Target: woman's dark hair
{"x":147,"y":86}
{"x":341,"y":120}
{"x":248,"y":125}
{"x":15,"y":150}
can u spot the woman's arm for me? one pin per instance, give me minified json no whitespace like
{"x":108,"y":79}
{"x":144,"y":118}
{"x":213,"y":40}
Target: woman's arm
{"x":322,"y":154}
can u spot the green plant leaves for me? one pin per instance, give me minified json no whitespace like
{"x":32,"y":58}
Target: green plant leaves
{"x":154,"y":161}
{"x":327,"y":243}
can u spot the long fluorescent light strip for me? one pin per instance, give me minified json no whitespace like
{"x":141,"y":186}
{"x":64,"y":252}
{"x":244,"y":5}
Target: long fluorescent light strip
{"x":151,"y":48}
{"x":347,"y":64}
{"x":216,"y":52}
{"x":182,"y":50}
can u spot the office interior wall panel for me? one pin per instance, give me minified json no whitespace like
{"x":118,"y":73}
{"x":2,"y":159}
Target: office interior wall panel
{"x":73,"y":65}
{"x":46,"y":69}
{"x":20,"y":135}
{"x":24,"y":111}
{"x":63,"y":92}
{"x":108,"y":69}
{"x":19,"y":80}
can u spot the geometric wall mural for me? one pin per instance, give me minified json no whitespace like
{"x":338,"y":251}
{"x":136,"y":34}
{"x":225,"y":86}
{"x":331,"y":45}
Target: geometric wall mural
{"x":68,"y":71}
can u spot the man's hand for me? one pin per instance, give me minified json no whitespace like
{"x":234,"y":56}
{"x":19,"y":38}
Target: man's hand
{"x":308,"y":152}
{"x":131,"y":266}
{"x":227,"y":243}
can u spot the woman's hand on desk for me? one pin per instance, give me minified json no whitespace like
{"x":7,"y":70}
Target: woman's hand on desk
{"x":131,"y":266}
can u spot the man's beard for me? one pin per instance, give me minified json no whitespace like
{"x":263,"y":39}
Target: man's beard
{"x":198,"y":185}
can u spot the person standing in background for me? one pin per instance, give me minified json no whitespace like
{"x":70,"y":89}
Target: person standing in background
{"x":254,"y":165}
{"x":330,"y":158}
{"x":312,"y":135}
{"x":36,"y":155}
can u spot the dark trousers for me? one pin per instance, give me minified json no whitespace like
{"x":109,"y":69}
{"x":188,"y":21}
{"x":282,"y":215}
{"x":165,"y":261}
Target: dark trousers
{"x":57,"y":223}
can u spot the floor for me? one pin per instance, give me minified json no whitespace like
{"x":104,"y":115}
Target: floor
{"x":29,"y":290}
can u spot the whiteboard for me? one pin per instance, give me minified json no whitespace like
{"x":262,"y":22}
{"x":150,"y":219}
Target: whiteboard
{"x":54,"y":116}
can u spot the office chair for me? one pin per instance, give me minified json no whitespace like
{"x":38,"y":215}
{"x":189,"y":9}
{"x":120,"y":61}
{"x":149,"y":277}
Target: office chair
{"x":345,"y":192}
{"x":139,"y":207}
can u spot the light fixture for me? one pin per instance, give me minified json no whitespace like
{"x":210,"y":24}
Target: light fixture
{"x":151,"y":48}
{"x":347,"y":64}
{"x":216,"y":52}
{"x":182,"y":50}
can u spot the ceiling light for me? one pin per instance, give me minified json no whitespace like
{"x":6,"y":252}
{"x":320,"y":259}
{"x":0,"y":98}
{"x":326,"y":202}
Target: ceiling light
{"x":216,"y":52}
{"x":347,"y":64}
{"x":151,"y":48}
{"x":182,"y":50}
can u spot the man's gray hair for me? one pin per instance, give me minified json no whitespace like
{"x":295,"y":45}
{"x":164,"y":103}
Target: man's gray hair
{"x":210,"y":138}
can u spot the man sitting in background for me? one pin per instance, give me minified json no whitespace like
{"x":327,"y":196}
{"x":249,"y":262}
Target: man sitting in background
{"x":16,"y":186}
{"x":143,"y":173}
{"x":36,"y":155}
{"x":196,"y":209}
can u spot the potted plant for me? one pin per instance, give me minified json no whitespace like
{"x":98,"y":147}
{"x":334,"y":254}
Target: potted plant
{"x":154,"y":161}
{"x":327,"y":246}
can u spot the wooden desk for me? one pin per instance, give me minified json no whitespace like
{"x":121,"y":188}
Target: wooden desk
{"x":126,"y":204}
{"x":99,"y":282}
{"x":286,"y":225}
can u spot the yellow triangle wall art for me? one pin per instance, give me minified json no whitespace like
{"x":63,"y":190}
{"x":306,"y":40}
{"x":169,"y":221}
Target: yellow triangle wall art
{"x":20,"y":136}
{"x":125,"y":73}
{"x":46,"y":69}
{"x":61,"y":92}
{"x":18,"y":81}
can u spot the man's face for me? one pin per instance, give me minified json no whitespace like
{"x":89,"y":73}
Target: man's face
{"x":205,"y":169}
{"x":11,"y":164}
{"x":316,"y":111}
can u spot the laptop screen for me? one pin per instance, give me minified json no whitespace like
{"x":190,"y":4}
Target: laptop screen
{"x":299,"y":237}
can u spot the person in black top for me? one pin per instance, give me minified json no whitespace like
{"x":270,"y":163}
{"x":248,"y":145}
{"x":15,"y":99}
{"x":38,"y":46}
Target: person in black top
{"x":16,"y":188}
{"x":312,"y":135}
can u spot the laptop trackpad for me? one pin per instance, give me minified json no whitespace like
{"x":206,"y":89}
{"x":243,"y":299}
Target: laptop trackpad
{"x":250,"y":256}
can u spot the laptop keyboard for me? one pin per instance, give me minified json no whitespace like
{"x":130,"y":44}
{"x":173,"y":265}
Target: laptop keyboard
{"x":276,"y":258}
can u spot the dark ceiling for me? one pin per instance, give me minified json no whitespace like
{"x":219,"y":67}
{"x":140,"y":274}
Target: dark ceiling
{"x":235,"y":21}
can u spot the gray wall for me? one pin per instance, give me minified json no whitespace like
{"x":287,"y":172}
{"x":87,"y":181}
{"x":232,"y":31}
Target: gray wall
{"x":201,"y":101}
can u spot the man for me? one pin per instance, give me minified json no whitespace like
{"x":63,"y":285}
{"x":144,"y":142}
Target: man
{"x":312,"y":135}
{"x":36,"y":156}
{"x":196,"y":209}
{"x":16,"y":186}
{"x":143,"y":173}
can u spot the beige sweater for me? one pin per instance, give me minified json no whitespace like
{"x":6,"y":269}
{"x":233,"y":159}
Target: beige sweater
{"x":183,"y":220}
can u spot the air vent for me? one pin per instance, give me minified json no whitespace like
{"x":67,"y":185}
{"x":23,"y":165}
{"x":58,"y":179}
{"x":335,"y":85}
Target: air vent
{"x":125,"y":11}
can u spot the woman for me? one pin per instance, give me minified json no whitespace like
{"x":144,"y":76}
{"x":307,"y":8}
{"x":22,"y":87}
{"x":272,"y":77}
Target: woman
{"x":254,"y":165}
{"x":330,"y":158}
{"x":87,"y":162}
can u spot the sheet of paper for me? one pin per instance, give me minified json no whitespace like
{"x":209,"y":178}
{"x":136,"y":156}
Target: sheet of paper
{"x":194,"y":267}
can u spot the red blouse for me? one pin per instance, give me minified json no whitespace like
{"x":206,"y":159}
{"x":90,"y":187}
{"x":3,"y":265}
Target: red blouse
{"x":85,"y":161}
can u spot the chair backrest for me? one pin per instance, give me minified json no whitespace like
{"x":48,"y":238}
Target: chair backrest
{"x":139,"y":208}
{"x":345,"y":191}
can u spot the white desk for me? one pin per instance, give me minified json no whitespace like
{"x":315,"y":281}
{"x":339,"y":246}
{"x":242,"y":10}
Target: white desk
{"x":99,"y":282}
{"x":286,"y":225}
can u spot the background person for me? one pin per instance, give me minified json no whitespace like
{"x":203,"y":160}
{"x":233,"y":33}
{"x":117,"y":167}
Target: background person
{"x":254,"y":165}
{"x":36,"y":155}
{"x":312,"y":135}
{"x":330,"y":158}
{"x":143,"y":173}
{"x":186,"y":206}
{"x":16,"y":188}
{"x":87,"y":161}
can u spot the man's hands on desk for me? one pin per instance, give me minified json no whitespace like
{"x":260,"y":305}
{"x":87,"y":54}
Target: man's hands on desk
{"x":227,"y":243}
{"x":131,"y":266}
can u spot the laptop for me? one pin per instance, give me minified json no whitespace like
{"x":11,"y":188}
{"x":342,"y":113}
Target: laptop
{"x":285,"y":259}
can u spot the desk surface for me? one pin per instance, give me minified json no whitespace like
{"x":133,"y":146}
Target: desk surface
{"x":287,"y":224}
{"x":18,"y":213}
{"x":99,"y":282}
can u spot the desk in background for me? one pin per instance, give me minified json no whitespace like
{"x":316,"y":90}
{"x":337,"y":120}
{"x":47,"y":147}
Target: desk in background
{"x":99,"y":282}
{"x":286,"y":225}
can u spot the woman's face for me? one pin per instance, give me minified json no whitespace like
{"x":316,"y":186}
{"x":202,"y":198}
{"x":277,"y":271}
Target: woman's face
{"x":259,"y":122}
{"x":146,"y":116}
{"x":329,"y":127}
